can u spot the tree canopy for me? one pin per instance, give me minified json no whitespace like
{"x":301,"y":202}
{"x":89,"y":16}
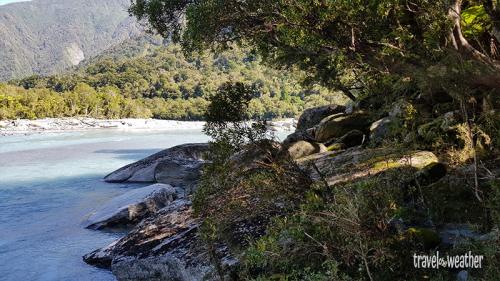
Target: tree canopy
{"x":342,"y":44}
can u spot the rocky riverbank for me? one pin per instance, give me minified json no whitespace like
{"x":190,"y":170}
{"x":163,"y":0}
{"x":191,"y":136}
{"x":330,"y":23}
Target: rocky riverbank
{"x":332,"y":144}
{"x":24,"y":126}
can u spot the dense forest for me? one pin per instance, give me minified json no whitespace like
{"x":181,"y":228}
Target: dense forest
{"x":145,"y":78}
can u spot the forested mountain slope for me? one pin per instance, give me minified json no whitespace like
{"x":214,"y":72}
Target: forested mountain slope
{"x":48,"y":36}
{"x":145,"y":77}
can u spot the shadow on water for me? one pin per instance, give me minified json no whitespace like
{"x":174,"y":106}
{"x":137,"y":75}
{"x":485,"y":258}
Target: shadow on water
{"x":129,"y":154}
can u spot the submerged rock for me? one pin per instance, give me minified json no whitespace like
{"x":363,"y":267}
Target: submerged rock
{"x":145,"y":169}
{"x":130,"y":208}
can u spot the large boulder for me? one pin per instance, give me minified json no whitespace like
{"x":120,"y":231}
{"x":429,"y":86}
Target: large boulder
{"x":166,"y":246}
{"x":352,"y":138}
{"x":250,"y":157}
{"x":337,"y":125}
{"x":172,"y":219}
{"x":356,"y":163}
{"x":303,"y":148}
{"x":306,"y":135}
{"x":312,"y":116}
{"x":179,"y":172}
{"x":401,"y":109}
{"x":130,"y":208}
{"x":382,"y":129}
{"x":453,"y":234}
{"x":144,"y":170}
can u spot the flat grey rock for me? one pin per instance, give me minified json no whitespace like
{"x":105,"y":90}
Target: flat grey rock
{"x":143,"y":171}
{"x":131,"y":207}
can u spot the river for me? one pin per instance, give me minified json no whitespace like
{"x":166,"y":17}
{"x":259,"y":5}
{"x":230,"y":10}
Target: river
{"x":50,"y":182}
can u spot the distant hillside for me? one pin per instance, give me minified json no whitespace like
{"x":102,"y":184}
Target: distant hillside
{"x":144,"y":77}
{"x":48,"y":36}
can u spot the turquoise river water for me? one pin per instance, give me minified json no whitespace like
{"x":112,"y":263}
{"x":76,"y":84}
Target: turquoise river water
{"x":48,"y":184}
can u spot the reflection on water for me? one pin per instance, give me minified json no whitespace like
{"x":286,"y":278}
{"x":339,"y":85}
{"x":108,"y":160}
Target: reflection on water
{"x":49,"y":183}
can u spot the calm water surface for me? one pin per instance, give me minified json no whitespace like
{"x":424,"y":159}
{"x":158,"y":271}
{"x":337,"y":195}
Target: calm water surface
{"x":49,"y":183}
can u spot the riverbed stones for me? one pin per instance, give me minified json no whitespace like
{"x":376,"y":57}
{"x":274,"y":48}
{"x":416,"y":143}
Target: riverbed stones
{"x":131,"y":207}
{"x":144,"y":171}
{"x":148,"y":233}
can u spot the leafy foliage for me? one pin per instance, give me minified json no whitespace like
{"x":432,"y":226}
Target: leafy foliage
{"x":161,"y":82}
{"x":475,"y":21}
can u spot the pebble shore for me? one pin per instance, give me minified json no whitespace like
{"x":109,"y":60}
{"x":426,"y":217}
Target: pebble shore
{"x":23,"y":126}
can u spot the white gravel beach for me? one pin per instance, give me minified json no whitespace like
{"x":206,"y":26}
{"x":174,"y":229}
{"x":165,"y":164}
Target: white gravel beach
{"x":24,"y":126}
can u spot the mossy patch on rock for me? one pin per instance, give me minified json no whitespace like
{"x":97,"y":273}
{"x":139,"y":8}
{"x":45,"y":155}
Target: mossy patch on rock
{"x":382,"y":129}
{"x":357,"y":163}
{"x":428,"y":237}
{"x":336,"y":147}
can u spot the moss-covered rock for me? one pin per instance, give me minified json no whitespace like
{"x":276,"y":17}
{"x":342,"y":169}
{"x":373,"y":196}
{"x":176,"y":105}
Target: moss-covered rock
{"x":401,"y":109}
{"x":336,"y":146}
{"x":430,"y":174}
{"x":357,"y":163}
{"x":427,"y":236}
{"x":438,"y":128}
{"x":452,"y":200}
{"x":253,"y":154}
{"x":337,"y":125}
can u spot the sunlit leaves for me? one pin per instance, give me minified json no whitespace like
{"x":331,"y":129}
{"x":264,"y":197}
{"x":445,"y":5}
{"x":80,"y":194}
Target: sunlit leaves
{"x":475,"y":21}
